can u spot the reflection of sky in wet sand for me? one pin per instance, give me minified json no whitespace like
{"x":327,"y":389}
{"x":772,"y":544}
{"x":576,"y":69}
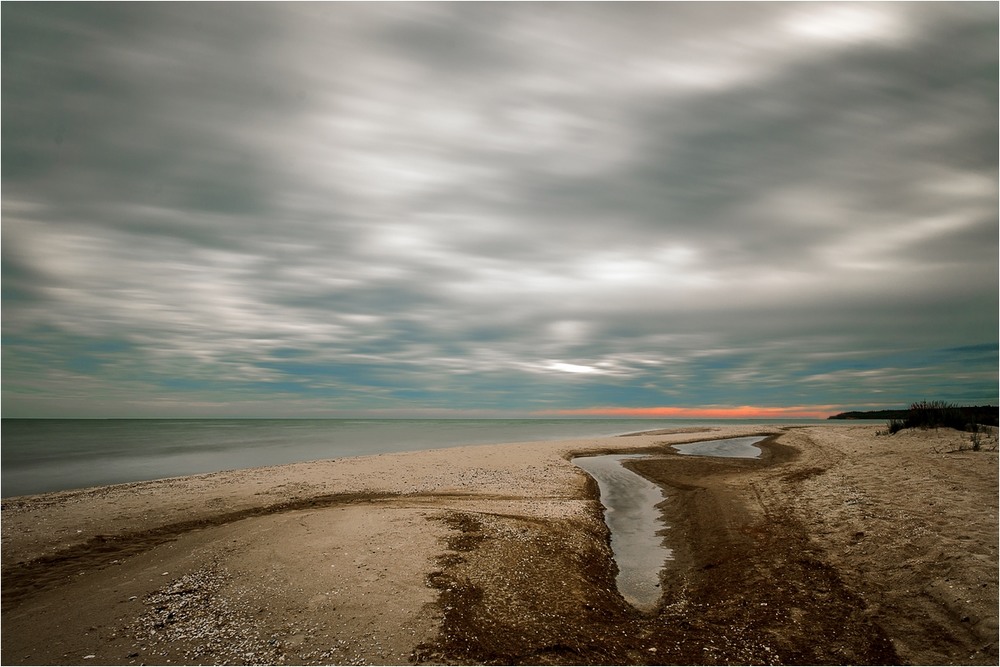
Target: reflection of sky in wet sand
{"x":739,"y":448}
{"x":634,"y":521}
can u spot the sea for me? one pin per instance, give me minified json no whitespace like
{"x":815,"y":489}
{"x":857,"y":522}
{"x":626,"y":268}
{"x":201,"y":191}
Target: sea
{"x":45,"y":455}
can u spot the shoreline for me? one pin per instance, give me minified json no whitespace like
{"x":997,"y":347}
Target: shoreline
{"x":183,"y":448}
{"x":499,"y":553}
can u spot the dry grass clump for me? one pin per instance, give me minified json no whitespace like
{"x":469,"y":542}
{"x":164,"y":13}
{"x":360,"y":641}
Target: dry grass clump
{"x":940,"y":414}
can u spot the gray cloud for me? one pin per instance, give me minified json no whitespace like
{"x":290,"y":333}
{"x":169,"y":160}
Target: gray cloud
{"x":339,"y":207}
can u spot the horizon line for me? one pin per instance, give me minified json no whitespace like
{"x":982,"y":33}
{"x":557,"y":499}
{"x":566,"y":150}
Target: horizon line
{"x":656,"y":412}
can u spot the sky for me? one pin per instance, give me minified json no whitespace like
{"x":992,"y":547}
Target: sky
{"x":489,"y":210}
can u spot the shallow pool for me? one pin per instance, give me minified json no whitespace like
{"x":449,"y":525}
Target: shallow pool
{"x":739,"y":448}
{"x":635,"y":524}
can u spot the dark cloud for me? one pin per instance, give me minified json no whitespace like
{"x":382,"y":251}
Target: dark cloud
{"x":340,"y":207}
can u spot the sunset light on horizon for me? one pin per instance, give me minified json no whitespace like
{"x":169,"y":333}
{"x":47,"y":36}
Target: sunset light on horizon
{"x":709,"y":412}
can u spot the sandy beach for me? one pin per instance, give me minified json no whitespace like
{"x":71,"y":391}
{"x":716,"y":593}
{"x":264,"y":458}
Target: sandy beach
{"x":837,"y":546}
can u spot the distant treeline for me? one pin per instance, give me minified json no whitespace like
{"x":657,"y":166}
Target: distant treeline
{"x":871,"y":414}
{"x":931,"y":414}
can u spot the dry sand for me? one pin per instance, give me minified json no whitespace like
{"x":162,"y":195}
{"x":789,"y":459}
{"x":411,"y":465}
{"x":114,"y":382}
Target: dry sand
{"x":837,"y":546}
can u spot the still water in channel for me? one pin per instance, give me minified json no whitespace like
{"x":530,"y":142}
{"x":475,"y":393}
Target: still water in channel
{"x":630,"y":511}
{"x":734,"y":448}
{"x":634,"y":522}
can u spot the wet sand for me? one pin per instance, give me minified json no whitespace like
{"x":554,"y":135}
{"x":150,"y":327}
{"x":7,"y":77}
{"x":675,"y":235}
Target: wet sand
{"x":885,"y":547}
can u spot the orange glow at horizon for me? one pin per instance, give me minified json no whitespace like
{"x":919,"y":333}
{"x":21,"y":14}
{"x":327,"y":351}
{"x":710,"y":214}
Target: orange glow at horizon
{"x":740,"y":412}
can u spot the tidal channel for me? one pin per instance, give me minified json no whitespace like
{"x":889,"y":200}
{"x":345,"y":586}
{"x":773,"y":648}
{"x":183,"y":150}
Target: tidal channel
{"x":636,"y":527}
{"x":630,"y":511}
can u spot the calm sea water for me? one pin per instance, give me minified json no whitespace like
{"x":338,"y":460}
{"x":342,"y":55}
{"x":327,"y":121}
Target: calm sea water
{"x":41,"y":455}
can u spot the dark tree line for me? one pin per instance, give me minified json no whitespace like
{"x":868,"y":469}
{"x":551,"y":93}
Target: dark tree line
{"x":931,"y":414}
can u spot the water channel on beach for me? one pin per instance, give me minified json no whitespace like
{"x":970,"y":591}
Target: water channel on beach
{"x":635,"y":522}
{"x":735,"y":448}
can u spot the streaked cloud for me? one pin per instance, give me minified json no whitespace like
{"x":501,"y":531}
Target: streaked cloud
{"x":472,"y":208}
